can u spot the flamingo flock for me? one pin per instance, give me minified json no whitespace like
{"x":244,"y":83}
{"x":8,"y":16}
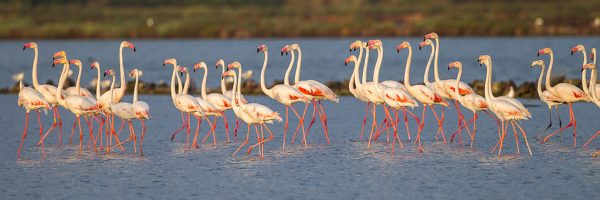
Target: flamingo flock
{"x":391,"y":96}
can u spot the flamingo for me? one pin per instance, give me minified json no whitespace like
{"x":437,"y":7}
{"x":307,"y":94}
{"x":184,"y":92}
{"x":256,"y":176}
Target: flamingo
{"x":422,"y":93}
{"x":77,"y":90}
{"x":546,"y":96}
{"x":226,"y":93}
{"x":472,"y":102}
{"x":393,"y":97}
{"x":357,"y":81}
{"x":207,"y":110}
{"x":141,"y":109}
{"x":123,"y":110}
{"x":505,"y":110}
{"x":313,"y":90}
{"x":595,"y":99}
{"x":584,"y":84}
{"x":78,"y":105}
{"x":218,"y":100}
{"x":567,"y":93}
{"x":183,"y":102}
{"x":282,"y":93}
{"x":251,"y":113}
{"x":30,"y":99}
{"x":47,"y":91}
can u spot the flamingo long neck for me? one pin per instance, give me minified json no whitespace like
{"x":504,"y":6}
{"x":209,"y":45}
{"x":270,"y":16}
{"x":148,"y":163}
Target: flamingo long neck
{"x":584,"y":84}
{"x":223,"y":88}
{"x":435,"y":63}
{"x":298,"y":66}
{"x":263,"y":85}
{"x":234,"y":94}
{"x":549,"y":72}
{"x":426,"y":75}
{"x":286,"y":78}
{"x":112,"y":94}
{"x":539,"y":83}
{"x":365,"y":65}
{"x":186,"y":86}
{"x":488,"y":77}
{"x":78,"y":82}
{"x":353,"y":77}
{"x":239,"y":85}
{"x":204,"y":95}
{"x":407,"y":68}
{"x":61,"y":83}
{"x":122,"y":72}
{"x":98,"y":78}
{"x":135,"y":88}
{"x":34,"y":76}
{"x":357,"y":69}
{"x":173,"y":92}
{"x":456,"y":94}
{"x":378,"y":65}
{"x":593,"y":80}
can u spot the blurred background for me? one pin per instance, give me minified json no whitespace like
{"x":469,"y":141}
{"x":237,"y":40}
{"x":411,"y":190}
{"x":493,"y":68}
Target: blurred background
{"x":292,"y":18}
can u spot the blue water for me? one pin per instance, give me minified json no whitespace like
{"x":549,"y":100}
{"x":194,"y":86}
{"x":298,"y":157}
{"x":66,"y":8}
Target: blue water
{"x":345,"y":169}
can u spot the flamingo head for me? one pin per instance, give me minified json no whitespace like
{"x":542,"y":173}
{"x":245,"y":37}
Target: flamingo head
{"x":30,"y":45}
{"x":544,"y":51}
{"x":356,"y":45}
{"x":233,"y":65}
{"x":200,"y":65}
{"x":455,"y":64}
{"x":374,"y":44}
{"x":262,"y":48}
{"x":75,"y":62}
{"x":228,"y":73}
{"x":537,"y":63}
{"x":431,"y":35}
{"x":95,"y":64}
{"x":135,"y":72}
{"x":109,"y":72}
{"x":170,"y":61}
{"x":220,"y":62}
{"x":351,"y":58}
{"x":483,"y":59}
{"x":59,"y":54}
{"x":285,"y":49}
{"x":402,"y":45}
{"x":588,"y":66}
{"x":127,"y":44}
{"x":577,"y":48}
{"x":182,"y":69}
{"x":593,"y":54}
{"x":425,"y":42}
{"x":60,"y":61}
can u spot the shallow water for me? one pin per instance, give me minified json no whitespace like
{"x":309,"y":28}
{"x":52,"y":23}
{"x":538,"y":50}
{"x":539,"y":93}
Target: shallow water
{"x":344,"y":169}
{"x":322,"y":57}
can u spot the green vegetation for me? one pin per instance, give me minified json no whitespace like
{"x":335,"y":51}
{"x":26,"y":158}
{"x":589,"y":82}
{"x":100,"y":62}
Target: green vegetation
{"x":294,"y":18}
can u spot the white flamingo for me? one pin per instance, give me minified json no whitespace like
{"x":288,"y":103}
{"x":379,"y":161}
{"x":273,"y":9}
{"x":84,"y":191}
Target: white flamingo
{"x":314,"y":91}
{"x":141,"y":109}
{"x":218,"y":100}
{"x":472,"y":102}
{"x":227,"y":93}
{"x":506,"y":111}
{"x":586,"y":88}
{"x":594,"y":98}
{"x":209,"y":108}
{"x":251,"y":113}
{"x":282,"y":93}
{"x":422,"y":93}
{"x":546,"y":96}
{"x":122,"y":110}
{"x":359,"y":94}
{"x":47,"y":91}
{"x":567,"y":93}
{"x":30,"y":99}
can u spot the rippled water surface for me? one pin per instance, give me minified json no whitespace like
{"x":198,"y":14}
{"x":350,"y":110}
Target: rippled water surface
{"x":342,"y":170}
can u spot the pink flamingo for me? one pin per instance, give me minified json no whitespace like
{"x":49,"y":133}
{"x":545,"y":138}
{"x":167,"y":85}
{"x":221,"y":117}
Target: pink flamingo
{"x":546,"y":96}
{"x":218,"y":100}
{"x":226,"y":93}
{"x":314,"y":91}
{"x":423,"y":94}
{"x":472,"y":102}
{"x":30,"y":99}
{"x":124,"y":111}
{"x":251,"y":113}
{"x":208,"y":108}
{"x":47,"y":91}
{"x":141,"y":109}
{"x":282,"y":93}
{"x":594,"y":98}
{"x":358,"y":90}
{"x":505,"y":110}
{"x":567,"y":93}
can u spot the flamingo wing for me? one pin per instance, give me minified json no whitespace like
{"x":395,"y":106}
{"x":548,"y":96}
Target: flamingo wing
{"x":220,"y":101}
{"x":141,"y":109}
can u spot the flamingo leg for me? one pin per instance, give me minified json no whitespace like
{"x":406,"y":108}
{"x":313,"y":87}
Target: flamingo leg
{"x":285,"y":127}
{"x":501,"y":139}
{"x":405,"y":122}
{"x":142,"y":138}
{"x":212,"y":130}
{"x":524,"y":137}
{"x":512,"y":123}
{"x":591,"y":139}
{"x":271,"y":136}
{"x":133,"y":135}
{"x":244,"y":143}
{"x":226,"y":127}
{"x":312,"y":121}
{"x":59,"y":126}
{"x":475,"y":116}
{"x":374,"y":125}
{"x":381,"y":127}
{"x":440,"y":122}
{"x":41,"y":135}
{"x":420,"y":129}
{"x":198,"y":123}
{"x":362,"y":127}
{"x":324,"y":120}
{"x":549,"y":121}
{"x":395,"y":134}
{"x":121,"y":127}
{"x":99,"y":134}
{"x":54,"y":124}
{"x":302,"y":120}
{"x":80,"y":133}
{"x":187,"y":131}
{"x":180,"y":128}
{"x":237,"y":125}
{"x":73,"y":131}
{"x":258,"y":142}
{"x":572,"y":123}
{"x":559,"y":120}
{"x":24,"y":134}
